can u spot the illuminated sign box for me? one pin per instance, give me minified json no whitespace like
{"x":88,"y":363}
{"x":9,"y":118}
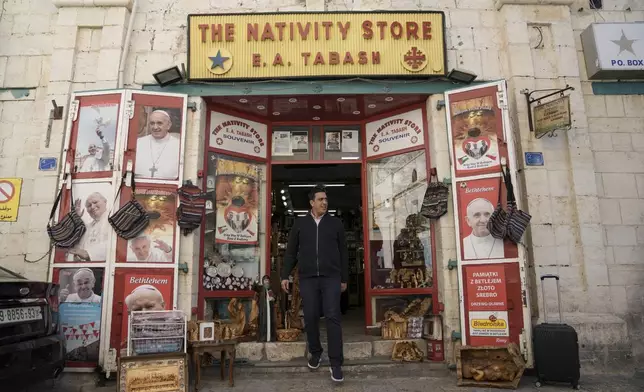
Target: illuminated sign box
{"x":312,"y":45}
{"x":614,"y":50}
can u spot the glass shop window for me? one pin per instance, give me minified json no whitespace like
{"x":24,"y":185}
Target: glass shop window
{"x":235,"y":240}
{"x":400,"y":250}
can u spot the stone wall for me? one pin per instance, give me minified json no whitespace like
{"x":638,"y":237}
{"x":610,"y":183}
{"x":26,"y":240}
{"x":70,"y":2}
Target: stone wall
{"x":586,"y":201}
{"x":616,"y":138}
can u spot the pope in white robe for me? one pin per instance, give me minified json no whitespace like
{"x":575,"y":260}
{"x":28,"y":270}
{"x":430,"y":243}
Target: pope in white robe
{"x":98,"y":160}
{"x":157,"y":154}
{"x":84,"y":282}
{"x":93,"y":245}
{"x":480,"y":244}
{"x":144,"y":252}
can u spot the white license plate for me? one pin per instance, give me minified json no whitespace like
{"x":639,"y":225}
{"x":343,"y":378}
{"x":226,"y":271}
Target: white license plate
{"x":18,"y":315}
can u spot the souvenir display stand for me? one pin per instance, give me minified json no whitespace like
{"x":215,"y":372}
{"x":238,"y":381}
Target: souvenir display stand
{"x":156,"y":332}
{"x":119,"y":145}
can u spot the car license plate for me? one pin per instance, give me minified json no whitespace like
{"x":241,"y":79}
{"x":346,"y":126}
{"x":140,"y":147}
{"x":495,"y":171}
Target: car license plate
{"x":17,"y":315}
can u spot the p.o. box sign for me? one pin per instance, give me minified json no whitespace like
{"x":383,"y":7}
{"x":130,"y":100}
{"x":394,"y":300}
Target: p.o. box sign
{"x":305,"y":45}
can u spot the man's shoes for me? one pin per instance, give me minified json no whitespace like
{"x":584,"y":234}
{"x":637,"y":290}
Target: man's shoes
{"x":336,"y":374}
{"x":314,"y":362}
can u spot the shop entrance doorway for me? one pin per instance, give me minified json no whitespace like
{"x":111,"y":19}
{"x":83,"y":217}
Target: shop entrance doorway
{"x":290,"y":186}
{"x":372,"y":153}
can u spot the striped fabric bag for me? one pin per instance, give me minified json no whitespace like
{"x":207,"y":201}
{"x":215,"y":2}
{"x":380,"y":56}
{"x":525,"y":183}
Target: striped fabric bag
{"x":69,"y":230}
{"x":131,"y":219}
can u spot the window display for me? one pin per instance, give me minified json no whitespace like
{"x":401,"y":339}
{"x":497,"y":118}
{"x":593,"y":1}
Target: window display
{"x":400,"y":237}
{"x":236,"y":190}
{"x":390,"y":310}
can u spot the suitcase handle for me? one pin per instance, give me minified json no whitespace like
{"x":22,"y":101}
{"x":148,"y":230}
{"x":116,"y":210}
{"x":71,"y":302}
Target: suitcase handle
{"x":543,"y":294}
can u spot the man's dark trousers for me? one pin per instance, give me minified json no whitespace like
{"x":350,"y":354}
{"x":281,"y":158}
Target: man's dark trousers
{"x":326,"y":290}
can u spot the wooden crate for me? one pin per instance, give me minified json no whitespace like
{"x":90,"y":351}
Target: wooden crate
{"x":502,"y":367}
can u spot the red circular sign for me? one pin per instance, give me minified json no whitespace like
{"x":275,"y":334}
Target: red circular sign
{"x":7,"y":191}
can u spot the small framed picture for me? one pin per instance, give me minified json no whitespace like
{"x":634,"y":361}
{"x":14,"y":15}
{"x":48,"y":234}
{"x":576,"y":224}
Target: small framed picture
{"x":162,"y":372}
{"x":206,"y":331}
{"x":332,"y":141}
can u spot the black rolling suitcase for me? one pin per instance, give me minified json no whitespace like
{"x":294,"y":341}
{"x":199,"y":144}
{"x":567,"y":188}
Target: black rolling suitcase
{"x":556,"y":347}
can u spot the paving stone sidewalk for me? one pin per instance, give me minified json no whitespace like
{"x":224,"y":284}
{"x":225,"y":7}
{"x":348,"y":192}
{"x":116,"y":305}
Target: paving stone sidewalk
{"x":382,"y":381}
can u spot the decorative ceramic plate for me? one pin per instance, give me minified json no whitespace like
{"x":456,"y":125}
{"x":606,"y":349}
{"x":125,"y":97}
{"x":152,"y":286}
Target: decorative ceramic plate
{"x":211,"y":271}
{"x":238,"y":271}
{"x":223,"y":270}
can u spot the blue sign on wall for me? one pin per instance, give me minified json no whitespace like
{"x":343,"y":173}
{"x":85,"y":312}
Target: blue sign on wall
{"x":47,"y":164}
{"x":534,"y":159}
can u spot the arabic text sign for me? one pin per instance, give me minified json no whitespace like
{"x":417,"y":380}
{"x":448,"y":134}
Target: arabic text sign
{"x":552,"y":116}
{"x":9,"y":198}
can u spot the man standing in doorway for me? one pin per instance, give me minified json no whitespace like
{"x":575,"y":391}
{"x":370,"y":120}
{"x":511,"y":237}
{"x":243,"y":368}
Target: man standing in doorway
{"x":318,"y":244}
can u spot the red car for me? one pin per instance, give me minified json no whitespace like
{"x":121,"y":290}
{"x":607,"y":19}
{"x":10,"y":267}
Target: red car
{"x":32,"y":349}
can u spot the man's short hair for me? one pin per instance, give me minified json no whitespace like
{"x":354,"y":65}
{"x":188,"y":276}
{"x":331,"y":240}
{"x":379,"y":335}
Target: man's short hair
{"x":316,"y":189}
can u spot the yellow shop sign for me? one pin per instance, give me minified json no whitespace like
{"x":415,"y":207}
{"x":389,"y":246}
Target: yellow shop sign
{"x":309,"y":45}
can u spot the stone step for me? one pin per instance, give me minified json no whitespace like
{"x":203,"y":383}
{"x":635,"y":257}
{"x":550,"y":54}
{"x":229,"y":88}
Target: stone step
{"x":289,"y":351}
{"x":371,"y":365}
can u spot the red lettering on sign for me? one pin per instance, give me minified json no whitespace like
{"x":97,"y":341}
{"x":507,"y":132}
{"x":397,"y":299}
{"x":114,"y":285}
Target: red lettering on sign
{"x":306,"y":56}
{"x":257,"y":60}
{"x":334,"y":58}
{"x":278,"y":60}
{"x":362,"y":58}
{"x":375,"y":57}
{"x":344,"y":30}
{"x":280,"y":29}
{"x":327,"y":29}
{"x":252,"y":31}
{"x":367,"y":28}
{"x":203,"y":28}
{"x":382,"y":25}
{"x":304,"y":32}
{"x":319,"y":59}
{"x":348,"y":59}
{"x":412,"y":30}
{"x":427,"y":30}
{"x":396,"y":30}
{"x":267,"y":34}
{"x":230,"y":32}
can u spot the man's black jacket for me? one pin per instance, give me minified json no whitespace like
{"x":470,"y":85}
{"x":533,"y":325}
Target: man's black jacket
{"x":319,"y":249}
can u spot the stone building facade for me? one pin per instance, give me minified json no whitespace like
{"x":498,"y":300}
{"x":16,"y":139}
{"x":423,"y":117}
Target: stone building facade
{"x":587,"y":201}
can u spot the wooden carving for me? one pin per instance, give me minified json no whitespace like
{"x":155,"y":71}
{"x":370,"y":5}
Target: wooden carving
{"x":406,"y":352}
{"x":279,"y":317}
{"x":237,"y":317}
{"x":490,"y":366}
{"x":394,"y":326}
{"x":293,"y":314}
{"x":253,"y":321}
{"x":193,"y":331}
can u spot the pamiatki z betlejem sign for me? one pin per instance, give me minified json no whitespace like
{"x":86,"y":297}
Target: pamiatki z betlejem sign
{"x":239,"y":135}
{"x":395,"y":133}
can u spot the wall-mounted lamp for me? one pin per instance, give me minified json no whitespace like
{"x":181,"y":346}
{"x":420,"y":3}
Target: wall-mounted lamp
{"x":440,"y":104}
{"x":168,"y":76}
{"x":461,"y":76}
